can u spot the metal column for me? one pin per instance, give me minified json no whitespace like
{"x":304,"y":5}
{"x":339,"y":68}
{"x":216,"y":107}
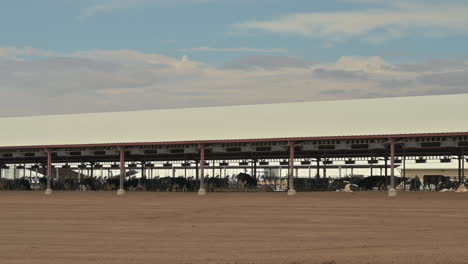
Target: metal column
{"x":392,"y":191}
{"x":213,"y":169}
{"x":404,"y":162}
{"x":463,"y":168}
{"x":49,"y":173}
{"x":317,"y":176}
{"x":143,"y":170}
{"x":123,"y":173}
{"x":325,"y":168}
{"x":386,"y":172}
{"x":202,"y":190}
{"x":459,"y":169}
{"x":30,"y":176}
{"x":291,"y":190}
{"x":254,"y":168}
{"x":463,"y":165}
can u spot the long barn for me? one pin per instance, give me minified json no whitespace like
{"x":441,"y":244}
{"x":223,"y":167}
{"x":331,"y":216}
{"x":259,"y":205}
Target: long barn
{"x":390,"y":129}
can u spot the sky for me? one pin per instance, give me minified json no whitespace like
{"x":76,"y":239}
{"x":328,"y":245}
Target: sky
{"x":78,"y":56}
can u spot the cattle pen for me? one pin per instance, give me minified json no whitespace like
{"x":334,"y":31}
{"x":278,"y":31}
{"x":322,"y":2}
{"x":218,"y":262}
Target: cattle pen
{"x":277,"y":147}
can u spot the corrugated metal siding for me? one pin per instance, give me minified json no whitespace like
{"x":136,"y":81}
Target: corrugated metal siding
{"x":404,"y":115}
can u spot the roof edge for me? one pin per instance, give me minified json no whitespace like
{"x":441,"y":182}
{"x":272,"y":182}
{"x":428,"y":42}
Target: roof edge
{"x":264,"y":140}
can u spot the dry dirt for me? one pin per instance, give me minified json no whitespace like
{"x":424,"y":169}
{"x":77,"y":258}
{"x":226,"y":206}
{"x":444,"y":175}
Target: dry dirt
{"x":99,"y":227}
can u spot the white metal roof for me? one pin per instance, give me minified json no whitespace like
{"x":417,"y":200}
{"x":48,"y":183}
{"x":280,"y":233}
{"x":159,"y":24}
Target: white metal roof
{"x":387,"y":116}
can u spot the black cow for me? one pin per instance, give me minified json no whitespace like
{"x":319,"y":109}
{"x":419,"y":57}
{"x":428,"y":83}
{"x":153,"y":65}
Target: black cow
{"x":17,"y":184}
{"x":214,"y":183}
{"x":93,"y":184}
{"x":306,"y":184}
{"x":436,"y":182}
{"x":179,"y":184}
{"x":379,"y":182}
{"x":245,"y":181}
{"x":112,"y":184}
{"x":22,"y":184}
{"x":371,"y":182}
{"x":193,"y":185}
{"x":415,"y":184}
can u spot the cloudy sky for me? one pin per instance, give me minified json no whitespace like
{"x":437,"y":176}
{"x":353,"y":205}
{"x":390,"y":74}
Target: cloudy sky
{"x":76,"y":56}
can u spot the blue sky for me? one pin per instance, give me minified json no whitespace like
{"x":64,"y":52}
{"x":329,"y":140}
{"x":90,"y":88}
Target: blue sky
{"x":171,"y":27}
{"x":153,"y":47}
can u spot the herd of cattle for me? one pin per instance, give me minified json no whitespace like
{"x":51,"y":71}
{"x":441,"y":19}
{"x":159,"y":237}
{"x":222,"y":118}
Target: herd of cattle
{"x":240,"y":182}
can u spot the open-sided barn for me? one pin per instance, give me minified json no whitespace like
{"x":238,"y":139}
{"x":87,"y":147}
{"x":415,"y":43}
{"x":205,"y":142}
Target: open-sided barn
{"x":391,"y":129}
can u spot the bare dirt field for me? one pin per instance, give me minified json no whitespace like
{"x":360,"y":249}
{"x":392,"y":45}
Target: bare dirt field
{"x":99,"y":227}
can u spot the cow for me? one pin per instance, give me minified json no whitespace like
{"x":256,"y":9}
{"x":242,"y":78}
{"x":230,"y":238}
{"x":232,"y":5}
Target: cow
{"x":179,"y":184}
{"x":340,"y":184}
{"x":415,"y":184}
{"x":90,"y":183}
{"x":112,"y":184}
{"x":21,"y":184}
{"x":216,"y":183}
{"x":307,"y":184}
{"x":372,"y":182}
{"x":461,"y":189}
{"x":193,"y":185}
{"x":245,"y":181}
{"x":350,"y":188}
{"x":377,"y":182}
{"x":436,"y":182}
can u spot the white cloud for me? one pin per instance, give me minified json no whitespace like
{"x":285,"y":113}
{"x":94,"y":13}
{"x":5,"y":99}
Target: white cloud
{"x":99,"y":80}
{"x":242,"y":49}
{"x":102,"y":6}
{"x":382,"y":21}
{"x":266,"y":62}
{"x":13,"y":52}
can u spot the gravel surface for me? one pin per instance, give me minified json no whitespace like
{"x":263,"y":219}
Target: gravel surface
{"x":322,"y":228}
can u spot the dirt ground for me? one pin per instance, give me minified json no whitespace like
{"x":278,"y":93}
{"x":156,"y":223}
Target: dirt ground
{"x":99,"y":227}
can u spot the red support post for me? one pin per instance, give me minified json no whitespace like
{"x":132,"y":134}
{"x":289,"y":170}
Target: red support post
{"x":202,"y":190}
{"x":460,"y":169}
{"x":392,"y":164}
{"x":291,"y":190}
{"x":317,"y":175}
{"x":121,"y":190}
{"x":49,"y":172}
{"x":392,"y":191}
